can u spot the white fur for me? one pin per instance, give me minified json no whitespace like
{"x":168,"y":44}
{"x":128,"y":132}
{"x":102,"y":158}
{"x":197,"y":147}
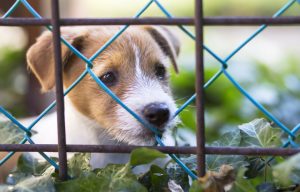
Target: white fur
{"x":79,"y":130}
{"x":144,"y":91}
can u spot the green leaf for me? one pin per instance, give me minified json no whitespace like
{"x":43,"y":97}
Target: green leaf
{"x":241,"y":184}
{"x":214,"y":162}
{"x":259,"y":133}
{"x":288,"y":171}
{"x":254,"y":167}
{"x":113,"y":171}
{"x":10,"y":133}
{"x":31,"y":184}
{"x":28,"y":164}
{"x":144,"y":155}
{"x":111,"y":178}
{"x":120,"y":177}
{"x":159,"y":179}
{"x":79,"y":164}
{"x":229,"y":139}
{"x":156,"y":179}
{"x":31,"y":175}
{"x":90,"y":183}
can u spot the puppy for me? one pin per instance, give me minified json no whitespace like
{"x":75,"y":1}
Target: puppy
{"x":134,"y":67}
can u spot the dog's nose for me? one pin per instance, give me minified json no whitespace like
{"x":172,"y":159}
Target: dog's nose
{"x":156,"y":113}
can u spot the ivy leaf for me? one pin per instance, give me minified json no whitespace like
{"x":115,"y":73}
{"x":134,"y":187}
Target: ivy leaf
{"x":112,"y":171}
{"x":229,"y":139}
{"x":144,"y":155}
{"x":214,"y":162}
{"x":119,"y":178}
{"x":32,"y":183}
{"x":254,"y":167}
{"x":10,"y":133}
{"x":260,"y":133}
{"x":83,"y":184}
{"x":241,"y":184}
{"x":31,"y":175}
{"x":159,"y":179}
{"x":156,"y":179}
{"x":28,"y":166}
{"x":111,"y":178}
{"x":288,"y":171}
{"x":79,"y":164}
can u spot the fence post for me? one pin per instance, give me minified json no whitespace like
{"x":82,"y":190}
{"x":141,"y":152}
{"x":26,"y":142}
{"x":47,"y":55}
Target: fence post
{"x":199,"y":88}
{"x":62,"y":152}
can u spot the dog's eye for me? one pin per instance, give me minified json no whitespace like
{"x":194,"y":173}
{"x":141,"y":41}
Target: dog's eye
{"x":160,"y":72}
{"x":109,"y":78}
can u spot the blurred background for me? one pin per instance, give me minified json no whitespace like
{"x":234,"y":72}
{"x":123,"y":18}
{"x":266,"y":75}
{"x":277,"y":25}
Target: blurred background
{"x":268,"y":67}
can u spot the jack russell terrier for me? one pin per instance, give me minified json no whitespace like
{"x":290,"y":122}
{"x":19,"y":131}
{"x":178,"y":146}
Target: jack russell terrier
{"x":134,"y":67}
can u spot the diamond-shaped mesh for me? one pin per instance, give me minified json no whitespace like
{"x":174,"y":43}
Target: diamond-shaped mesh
{"x":88,"y":71}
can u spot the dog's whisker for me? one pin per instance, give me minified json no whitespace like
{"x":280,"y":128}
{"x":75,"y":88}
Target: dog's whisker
{"x":183,"y":98}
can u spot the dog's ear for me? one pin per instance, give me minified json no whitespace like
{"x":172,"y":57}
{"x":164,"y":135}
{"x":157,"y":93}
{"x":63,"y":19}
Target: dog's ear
{"x":167,"y":41}
{"x":40,"y":56}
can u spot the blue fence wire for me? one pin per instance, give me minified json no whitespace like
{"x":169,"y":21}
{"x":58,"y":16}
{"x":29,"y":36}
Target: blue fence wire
{"x":88,"y":71}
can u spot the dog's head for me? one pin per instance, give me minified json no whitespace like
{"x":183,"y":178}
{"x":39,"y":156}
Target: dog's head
{"x":134,"y":67}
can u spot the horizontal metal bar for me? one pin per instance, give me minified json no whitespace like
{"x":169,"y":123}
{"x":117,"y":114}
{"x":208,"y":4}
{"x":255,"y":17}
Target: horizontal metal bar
{"x":24,"y":22}
{"x":251,"y":151}
{"x":168,"y":149}
{"x":92,"y":148}
{"x":102,"y":21}
{"x":289,"y":20}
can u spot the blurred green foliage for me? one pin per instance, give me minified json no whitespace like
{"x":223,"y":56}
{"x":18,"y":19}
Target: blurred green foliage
{"x":186,"y":8}
{"x":12,"y":80}
{"x":226,"y":106}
